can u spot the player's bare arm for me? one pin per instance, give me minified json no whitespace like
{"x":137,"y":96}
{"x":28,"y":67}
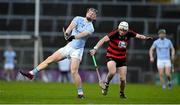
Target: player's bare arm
{"x":143,"y":37}
{"x":82,"y":34}
{"x":78,"y":36}
{"x":151,"y":52}
{"x":172,"y":54}
{"x":99,"y":44}
{"x":70,"y":28}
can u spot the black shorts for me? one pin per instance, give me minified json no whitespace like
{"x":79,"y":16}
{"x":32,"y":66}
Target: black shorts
{"x":119,"y":63}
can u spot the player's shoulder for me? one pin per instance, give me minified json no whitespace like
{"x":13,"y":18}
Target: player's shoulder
{"x":91,"y":27}
{"x":131,"y":31}
{"x":113,"y":33}
{"x":14,"y":52}
{"x":6,"y":52}
{"x":167,"y":39}
{"x":157,"y":41}
{"x":79,"y":17}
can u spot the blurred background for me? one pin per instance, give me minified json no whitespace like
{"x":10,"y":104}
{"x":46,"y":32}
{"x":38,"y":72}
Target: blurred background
{"x":33,"y":28}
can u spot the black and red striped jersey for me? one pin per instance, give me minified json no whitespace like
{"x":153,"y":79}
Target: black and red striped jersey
{"x":117,"y":47}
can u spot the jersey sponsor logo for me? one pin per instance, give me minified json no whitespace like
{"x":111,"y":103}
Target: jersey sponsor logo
{"x":122,"y":44}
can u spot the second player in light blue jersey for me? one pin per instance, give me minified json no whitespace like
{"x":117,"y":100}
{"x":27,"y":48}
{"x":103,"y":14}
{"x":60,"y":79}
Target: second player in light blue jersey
{"x":9,"y":62}
{"x":165,"y":54}
{"x":76,"y":34}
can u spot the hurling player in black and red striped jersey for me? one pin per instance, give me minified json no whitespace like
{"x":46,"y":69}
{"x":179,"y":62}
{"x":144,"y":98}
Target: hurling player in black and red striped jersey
{"x":116,"y":53}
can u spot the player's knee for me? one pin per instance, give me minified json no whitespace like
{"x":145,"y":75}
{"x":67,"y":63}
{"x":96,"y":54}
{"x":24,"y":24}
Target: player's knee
{"x":74,"y":72}
{"x":112,"y":72}
{"x":74,"y":68}
{"x":123,"y":78}
{"x":123,"y":81}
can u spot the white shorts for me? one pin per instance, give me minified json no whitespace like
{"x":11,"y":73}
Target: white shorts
{"x":163,"y":63}
{"x":9,"y":66}
{"x":69,"y":52}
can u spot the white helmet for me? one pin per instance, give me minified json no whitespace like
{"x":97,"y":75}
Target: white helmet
{"x":123,"y":25}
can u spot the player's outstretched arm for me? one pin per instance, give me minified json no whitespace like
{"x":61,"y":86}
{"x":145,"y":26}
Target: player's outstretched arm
{"x":151,"y":52}
{"x":143,"y":37}
{"x":68,"y":30}
{"x":82,"y":34}
{"x":99,"y":44}
{"x":70,"y":27}
{"x":78,"y":36}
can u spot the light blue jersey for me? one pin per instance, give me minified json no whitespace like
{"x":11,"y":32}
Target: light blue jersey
{"x":163,"y":48}
{"x":9,"y":57}
{"x":82,"y":25}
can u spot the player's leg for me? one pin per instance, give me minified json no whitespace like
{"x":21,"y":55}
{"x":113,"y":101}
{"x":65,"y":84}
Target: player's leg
{"x":8,"y":74}
{"x":56,"y":56}
{"x":160,"y":66}
{"x":11,"y":74}
{"x":122,"y":71}
{"x":161,"y":77}
{"x":11,"y":68}
{"x":66,"y":76}
{"x":59,"y":76}
{"x":168,"y":73}
{"x":53,"y":58}
{"x":111,"y":72}
{"x":62,"y":76}
{"x":65,"y":80}
{"x":76,"y":77}
{"x":6,"y":77}
{"x":76,"y":56}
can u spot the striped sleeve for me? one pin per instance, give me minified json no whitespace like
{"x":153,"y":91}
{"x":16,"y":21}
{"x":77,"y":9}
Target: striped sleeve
{"x":132,"y":33}
{"x":112,"y":33}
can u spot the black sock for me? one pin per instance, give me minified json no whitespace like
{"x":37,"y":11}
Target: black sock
{"x":168,"y":78}
{"x":107,"y":83}
{"x":122,"y":86}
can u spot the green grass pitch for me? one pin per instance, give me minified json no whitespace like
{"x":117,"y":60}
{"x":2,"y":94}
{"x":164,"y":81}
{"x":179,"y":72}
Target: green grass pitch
{"x":59,"y":93}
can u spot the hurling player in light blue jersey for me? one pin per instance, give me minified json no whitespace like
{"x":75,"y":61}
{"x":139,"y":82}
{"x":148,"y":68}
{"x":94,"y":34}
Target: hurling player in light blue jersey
{"x":165,"y":54}
{"x":9,"y":63}
{"x":76,"y":34}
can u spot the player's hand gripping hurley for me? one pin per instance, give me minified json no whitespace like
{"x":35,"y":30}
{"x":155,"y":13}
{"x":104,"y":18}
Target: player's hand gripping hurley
{"x":65,"y":35}
{"x":101,"y":84}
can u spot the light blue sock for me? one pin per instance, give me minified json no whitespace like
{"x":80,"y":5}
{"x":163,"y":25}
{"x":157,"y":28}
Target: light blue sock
{"x":80,"y":91}
{"x":34,"y":71}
